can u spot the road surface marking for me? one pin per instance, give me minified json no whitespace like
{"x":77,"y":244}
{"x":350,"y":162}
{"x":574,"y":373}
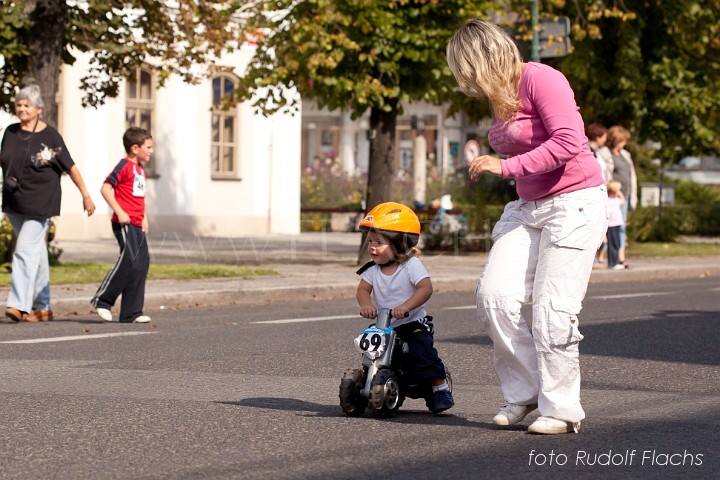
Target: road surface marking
{"x":308,"y":319}
{"x":598,"y":297}
{"x":630,"y":295}
{"x":462,"y":307}
{"x":78,"y":337}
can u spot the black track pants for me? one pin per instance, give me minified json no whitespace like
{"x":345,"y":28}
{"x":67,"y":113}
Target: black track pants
{"x":127,"y":277}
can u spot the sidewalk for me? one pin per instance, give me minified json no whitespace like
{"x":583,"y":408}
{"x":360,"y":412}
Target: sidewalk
{"x":309,"y":266}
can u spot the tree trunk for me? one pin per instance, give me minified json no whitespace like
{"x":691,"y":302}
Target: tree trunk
{"x":45,"y":40}
{"x":381,"y":167}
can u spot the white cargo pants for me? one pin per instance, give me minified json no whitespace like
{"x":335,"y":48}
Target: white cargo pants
{"x":543,"y":253}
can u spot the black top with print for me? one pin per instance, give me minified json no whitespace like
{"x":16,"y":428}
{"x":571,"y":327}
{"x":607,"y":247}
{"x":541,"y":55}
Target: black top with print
{"x":37,"y":160}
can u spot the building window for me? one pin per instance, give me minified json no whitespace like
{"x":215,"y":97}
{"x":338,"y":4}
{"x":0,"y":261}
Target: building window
{"x":223,"y":145}
{"x":140,"y":105}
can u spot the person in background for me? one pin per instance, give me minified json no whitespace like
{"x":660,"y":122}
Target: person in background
{"x":33,"y":157}
{"x":545,"y":242}
{"x":620,"y":167}
{"x":597,"y":135}
{"x":124,"y":191}
{"x":615,"y":223}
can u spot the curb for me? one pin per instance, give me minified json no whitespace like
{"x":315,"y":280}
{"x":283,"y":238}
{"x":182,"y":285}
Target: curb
{"x":187,"y":295}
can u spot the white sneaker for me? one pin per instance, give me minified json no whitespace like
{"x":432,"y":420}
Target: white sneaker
{"x":104,"y":313}
{"x":142,"y":319}
{"x":553,"y":426}
{"x":510,"y":414}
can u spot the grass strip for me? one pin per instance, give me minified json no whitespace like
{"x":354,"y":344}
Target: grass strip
{"x":89,"y":272}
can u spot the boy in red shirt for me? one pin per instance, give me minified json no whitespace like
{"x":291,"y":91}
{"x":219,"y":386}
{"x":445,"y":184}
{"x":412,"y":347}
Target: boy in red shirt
{"x":124,"y":191}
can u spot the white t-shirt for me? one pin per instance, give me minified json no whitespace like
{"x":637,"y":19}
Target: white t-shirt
{"x":616,"y":218}
{"x":389,"y":291}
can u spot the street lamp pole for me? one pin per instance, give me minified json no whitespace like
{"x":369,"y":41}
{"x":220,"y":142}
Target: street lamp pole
{"x":660,"y":188}
{"x":534,"y":20}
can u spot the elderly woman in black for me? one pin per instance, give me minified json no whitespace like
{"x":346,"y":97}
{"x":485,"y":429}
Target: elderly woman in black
{"x":33,"y":156}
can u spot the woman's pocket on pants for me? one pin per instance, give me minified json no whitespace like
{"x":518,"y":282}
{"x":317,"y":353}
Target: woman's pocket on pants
{"x":563,"y":326}
{"x":574,"y":228}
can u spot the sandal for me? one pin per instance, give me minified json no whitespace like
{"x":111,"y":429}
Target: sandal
{"x":30,"y":317}
{"x":44,"y":315}
{"x":14,"y":314}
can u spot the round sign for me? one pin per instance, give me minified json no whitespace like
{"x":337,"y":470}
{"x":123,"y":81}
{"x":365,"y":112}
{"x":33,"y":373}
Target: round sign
{"x":472,"y":150}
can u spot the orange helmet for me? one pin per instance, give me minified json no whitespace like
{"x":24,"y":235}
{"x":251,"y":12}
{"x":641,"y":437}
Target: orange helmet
{"x":396,"y":221}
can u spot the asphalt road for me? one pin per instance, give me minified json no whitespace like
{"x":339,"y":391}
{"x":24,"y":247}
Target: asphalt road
{"x":246,"y":392}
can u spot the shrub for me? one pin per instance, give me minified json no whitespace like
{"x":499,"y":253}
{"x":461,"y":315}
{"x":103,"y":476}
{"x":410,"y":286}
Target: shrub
{"x":325,"y":185}
{"x":688,"y":192}
{"x":7,"y":244}
{"x":697,"y":219}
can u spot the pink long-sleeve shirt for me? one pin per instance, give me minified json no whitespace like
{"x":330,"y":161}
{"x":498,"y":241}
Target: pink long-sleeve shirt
{"x":545,"y":143}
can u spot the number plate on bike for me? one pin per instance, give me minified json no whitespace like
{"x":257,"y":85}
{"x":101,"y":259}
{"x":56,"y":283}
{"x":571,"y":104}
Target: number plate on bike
{"x":372,"y":341}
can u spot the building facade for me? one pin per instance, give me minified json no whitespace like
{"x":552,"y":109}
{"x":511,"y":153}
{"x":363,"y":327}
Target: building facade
{"x":335,"y":136}
{"x":214,"y":172}
{"x":229,"y":173}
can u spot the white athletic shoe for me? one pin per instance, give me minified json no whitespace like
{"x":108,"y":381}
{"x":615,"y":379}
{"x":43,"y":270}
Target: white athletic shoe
{"x":553,"y":426}
{"x":510,"y":414}
{"x":142,"y":319}
{"x":104,"y":313}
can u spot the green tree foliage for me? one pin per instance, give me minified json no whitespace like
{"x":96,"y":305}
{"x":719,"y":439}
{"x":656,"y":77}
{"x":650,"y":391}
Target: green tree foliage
{"x":174,"y":37}
{"x":357,"y":56}
{"x":650,"y":65}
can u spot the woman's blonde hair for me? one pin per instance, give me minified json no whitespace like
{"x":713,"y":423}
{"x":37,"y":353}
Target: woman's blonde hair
{"x":486,"y":63}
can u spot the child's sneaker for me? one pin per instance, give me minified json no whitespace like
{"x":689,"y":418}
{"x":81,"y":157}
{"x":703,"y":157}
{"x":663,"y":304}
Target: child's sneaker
{"x":442,"y":400}
{"x":104,"y":313}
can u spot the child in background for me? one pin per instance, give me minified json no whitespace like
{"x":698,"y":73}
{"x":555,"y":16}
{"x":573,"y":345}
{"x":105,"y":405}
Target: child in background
{"x":124,"y":191}
{"x":397,"y":279}
{"x":597,"y":136}
{"x":615,"y":200}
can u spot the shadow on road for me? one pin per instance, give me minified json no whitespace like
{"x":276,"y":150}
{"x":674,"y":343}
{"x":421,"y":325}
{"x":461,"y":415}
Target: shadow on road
{"x":408,"y":416}
{"x":288,"y":404}
{"x":682,"y":336}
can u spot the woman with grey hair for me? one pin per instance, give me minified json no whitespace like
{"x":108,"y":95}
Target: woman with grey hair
{"x":545,"y":242}
{"x":33,"y":157}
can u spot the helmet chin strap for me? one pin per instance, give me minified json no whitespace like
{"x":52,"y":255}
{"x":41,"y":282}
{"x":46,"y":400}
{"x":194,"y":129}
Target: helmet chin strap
{"x":371,"y":263}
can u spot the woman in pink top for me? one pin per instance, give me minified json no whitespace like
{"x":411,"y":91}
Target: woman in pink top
{"x":545,"y":242}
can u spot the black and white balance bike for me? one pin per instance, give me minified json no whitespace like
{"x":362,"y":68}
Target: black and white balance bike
{"x":377,"y":386}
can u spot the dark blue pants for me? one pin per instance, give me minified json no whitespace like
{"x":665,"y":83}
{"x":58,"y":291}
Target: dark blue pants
{"x":614,"y":243}
{"x":127,"y":277}
{"x":419,"y":359}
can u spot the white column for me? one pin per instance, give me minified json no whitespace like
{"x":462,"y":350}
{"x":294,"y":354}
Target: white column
{"x":419,"y":168}
{"x":347,"y":144}
{"x":310,"y":144}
